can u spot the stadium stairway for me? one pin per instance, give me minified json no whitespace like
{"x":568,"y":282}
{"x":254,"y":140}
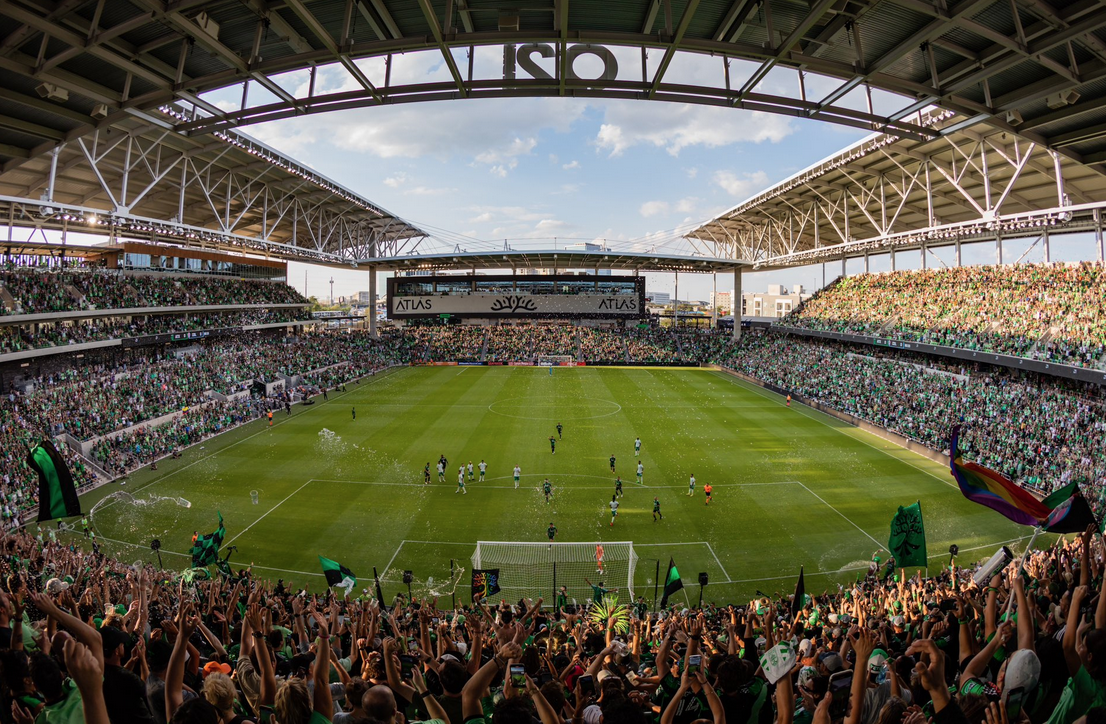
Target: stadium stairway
{"x":7,"y":300}
{"x":579,"y":346}
{"x":679,"y":347}
{"x":77,"y":294}
{"x":625,"y":349}
{"x":484,"y":347}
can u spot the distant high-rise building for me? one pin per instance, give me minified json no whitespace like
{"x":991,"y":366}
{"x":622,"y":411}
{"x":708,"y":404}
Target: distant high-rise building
{"x":777,"y":302}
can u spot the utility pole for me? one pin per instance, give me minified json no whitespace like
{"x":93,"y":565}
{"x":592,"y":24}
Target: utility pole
{"x":332,"y":291}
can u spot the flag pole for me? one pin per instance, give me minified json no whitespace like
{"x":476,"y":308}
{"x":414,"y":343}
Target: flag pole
{"x":1021,"y":564}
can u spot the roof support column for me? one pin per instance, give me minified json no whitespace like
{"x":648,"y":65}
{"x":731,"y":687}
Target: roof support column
{"x":372,"y":301}
{"x":53,"y":171}
{"x":736,"y":304}
{"x":998,"y":250}
{"x":865,"y":262}
{"x":1047,"y":245}
{"x":1098,"y":234}
{"x":891,"y":253}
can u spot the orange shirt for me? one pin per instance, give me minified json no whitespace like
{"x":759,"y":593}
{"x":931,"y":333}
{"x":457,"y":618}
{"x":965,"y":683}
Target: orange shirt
{"x":707,"y":488}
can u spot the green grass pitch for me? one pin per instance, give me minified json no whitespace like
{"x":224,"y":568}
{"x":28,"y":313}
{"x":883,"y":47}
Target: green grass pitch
{"x":791,"y":486}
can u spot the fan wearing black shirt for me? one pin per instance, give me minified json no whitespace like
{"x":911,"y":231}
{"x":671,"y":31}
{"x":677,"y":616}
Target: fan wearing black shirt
{"x":124,"y":693}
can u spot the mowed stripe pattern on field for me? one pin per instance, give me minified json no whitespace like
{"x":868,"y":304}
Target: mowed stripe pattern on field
{"x":689,"y":422}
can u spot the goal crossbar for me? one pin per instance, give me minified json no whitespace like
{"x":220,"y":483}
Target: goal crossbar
{"x":533,"y":569}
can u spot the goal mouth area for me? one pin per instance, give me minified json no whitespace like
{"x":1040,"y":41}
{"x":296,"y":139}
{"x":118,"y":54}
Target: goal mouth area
{"x":529,"y":569}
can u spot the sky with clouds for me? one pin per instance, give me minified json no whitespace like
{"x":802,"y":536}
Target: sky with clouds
{"x":552,"y":169}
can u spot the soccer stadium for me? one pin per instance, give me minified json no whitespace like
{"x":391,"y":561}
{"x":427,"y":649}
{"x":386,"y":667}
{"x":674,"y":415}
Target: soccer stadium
{"x":570,"y":437}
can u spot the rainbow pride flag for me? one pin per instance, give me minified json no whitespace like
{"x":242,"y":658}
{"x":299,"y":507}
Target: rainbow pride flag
{"x":993,"y":489}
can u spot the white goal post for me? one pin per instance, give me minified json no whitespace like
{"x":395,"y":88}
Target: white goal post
{"x":556,"y":360}
{"x":533,"y":570}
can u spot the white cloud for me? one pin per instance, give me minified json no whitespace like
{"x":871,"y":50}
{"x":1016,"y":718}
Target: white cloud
{"x":549,"y":225}
{"x":691,"y":172}
{"x":428,"y":191}
{"x":570,"y":166}
{"x":743,"y":186}
{"x":652,"y":208}
{"x":396,"y":180}
{"x":675,"y":127}
{"x":686,"y":205}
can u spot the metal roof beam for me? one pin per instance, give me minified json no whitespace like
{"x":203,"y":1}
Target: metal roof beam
{"x":670,"y":51}
{"x":436,"y":30}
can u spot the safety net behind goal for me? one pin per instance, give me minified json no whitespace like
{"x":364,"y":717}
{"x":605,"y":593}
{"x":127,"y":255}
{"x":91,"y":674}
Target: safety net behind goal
{"x":533,"y":570}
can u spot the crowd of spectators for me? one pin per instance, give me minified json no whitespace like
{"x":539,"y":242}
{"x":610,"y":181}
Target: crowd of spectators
{"x":525,"y":343}
{"x":91,"y":640}
{"x":99,"y":400}
{"x":37,"y":291}
{"x":601,"y":345}
{"x":652,"y":345}
{"x":1044,"y":311}
{"x":16,"y":338}
{"x":1039,"y":431}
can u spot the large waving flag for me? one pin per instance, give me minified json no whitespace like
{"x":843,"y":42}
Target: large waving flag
{"x":338,"y":575}
{"x":908,"y":537}
{"x":993,"y":489}
{"x":57,"y":495}
{"x":672,"y":582}
{"x":205,"y":551}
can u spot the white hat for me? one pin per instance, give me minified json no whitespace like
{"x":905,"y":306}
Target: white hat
{"x":55,"y":586}
{"x":592,"y":714}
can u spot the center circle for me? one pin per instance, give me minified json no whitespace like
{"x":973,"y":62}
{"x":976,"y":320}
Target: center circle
{"x":529,"y":408}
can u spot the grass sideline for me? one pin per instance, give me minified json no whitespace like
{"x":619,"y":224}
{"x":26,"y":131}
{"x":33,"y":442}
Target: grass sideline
{"x":792,"y":486}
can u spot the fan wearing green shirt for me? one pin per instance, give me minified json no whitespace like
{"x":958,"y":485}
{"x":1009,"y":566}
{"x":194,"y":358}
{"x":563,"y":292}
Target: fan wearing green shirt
{"x":597,"y":591}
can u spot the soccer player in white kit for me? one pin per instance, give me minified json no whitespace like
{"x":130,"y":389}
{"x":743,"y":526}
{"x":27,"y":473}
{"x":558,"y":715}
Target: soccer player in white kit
{"x":483,"y":469}
{"x":518,"y":474}
{"x":691,"y":485}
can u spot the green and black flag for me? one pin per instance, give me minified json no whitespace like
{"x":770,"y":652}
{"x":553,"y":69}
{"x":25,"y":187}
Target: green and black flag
{"x":799,"y":601}
{"x":338,"y":575}
{"x":57,"y":495}
{"x":379,"y":593}
{"x":205,"y":550}
{"x":908,"y":537}
{"x":672,"y":582}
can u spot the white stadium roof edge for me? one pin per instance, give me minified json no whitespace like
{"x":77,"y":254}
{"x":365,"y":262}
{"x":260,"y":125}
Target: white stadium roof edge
{"x":989,"y":117}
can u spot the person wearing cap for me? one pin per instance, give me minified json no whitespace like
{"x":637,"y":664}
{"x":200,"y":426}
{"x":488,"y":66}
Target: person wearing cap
{"x":124,"y":693}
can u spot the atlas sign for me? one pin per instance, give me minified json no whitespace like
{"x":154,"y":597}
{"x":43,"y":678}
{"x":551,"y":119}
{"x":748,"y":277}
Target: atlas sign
{"x":522,"y":57}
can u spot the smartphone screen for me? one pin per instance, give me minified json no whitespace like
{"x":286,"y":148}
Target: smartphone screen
{"x":587,"y":686}
{"x":518,"y":676}
{"x":840,"y":685}
{"x":406,"y":664}
{"x":693,"y":664}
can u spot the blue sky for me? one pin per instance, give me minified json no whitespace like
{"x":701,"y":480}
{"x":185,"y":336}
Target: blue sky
{"x":531,"y":170}
{"x":539,"y":168}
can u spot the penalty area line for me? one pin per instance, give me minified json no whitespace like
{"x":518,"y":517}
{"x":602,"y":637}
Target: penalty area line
{"x":270,"y":510}
{"x":847,"y":519}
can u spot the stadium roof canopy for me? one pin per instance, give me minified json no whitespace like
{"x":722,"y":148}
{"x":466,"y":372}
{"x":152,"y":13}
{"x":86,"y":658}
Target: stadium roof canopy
{"x":971,"y":183}
{"x":69,"y":68}
{"x":562,"y":259}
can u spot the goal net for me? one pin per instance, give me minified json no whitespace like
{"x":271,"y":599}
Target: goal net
{"x":554,"y":360}
{"x":533,"y":570}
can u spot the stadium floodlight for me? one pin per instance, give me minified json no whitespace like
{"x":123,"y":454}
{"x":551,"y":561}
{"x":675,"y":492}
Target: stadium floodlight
{"x":533,"y":570}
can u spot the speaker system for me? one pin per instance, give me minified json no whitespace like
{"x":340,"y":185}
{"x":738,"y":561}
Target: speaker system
{"x":703,"y":579}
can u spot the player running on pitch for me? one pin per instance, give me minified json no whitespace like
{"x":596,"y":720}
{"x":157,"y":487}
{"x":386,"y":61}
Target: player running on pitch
{"x":708,"y":490}
{"x":640,"y":473}
{"x":471,"y":474}
{"x":560,"y":427}
{"x":547,"y":488}
{"x":637,"y":446}
{"x":441,"y":472}
{"x":461,"y":481}
{"x":552,"y":445}
{"x":518,"y":474}
{"x":691,"y":486}
{"x":426,"y":475}
{"x":483,"y":469}
{"x":612,"y":462}
{"x":618,"y":486}
{"x":614,"y":509}
{"x":552,"y":533}
{"x":657,"y":510}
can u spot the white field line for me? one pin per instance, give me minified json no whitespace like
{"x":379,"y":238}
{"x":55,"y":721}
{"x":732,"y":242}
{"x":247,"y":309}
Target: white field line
{"x":801,"y":408}
{"x":847,"y":519}
{"x":478,"y":485}
{"x":711,"y":549}
{"x":281,"y":421}
{"x":266,"y":513}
